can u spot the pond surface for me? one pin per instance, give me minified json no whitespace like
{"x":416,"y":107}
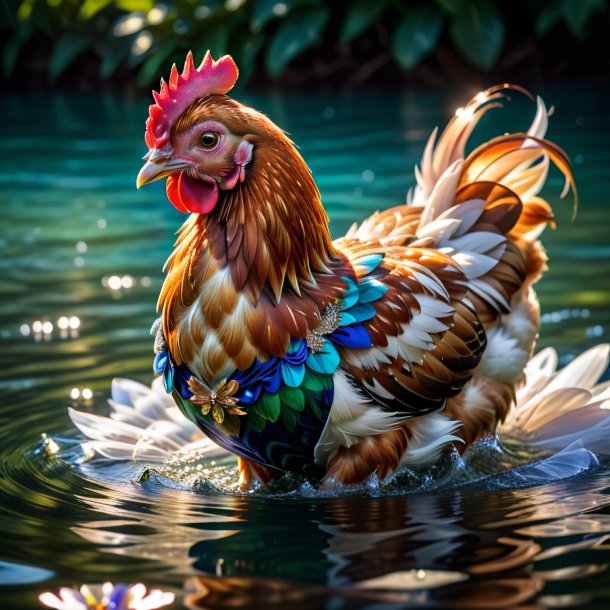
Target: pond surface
{"x":74,"y":229}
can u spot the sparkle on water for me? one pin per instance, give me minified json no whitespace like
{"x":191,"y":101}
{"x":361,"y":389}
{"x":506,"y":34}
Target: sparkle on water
{"x":82,"y":253}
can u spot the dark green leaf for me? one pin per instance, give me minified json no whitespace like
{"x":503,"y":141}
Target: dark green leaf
{"x":151,"y":69}
{"x":478,"y":33}
{"x":10,"y":55}
{"x":452,"y":7}
{"x":577,"y":12}
{"x":361,"y":15}
{"x":8,"y":12}
{"x":547,"y":18}
{"x":417,"y":35}
{"x":113,"y":58}
{"x":248,"y":47}
{"x":295,"y":34}
{"x":70,"y":46}
{"x":264,"y":11}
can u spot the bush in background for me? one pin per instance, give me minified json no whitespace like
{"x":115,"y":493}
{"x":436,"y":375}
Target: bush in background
{"x":291,"y":38}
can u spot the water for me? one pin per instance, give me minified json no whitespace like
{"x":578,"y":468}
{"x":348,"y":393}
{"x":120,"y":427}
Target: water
{"x":73,"y":227}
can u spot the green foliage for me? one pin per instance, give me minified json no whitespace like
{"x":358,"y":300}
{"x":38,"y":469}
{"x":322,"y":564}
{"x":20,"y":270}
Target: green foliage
{"x":146,"y":37}
{"x":361,"y":15}
{"x":417,"y":35}
{"x":294,"y":35}
{"x":478,"y":33}
{"x":67,"y":49}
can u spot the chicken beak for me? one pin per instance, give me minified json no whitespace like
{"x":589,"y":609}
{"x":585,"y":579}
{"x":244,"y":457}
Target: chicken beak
{"x":159,"y":164}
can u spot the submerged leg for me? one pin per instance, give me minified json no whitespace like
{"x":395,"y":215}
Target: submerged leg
{"x":251,"y":472}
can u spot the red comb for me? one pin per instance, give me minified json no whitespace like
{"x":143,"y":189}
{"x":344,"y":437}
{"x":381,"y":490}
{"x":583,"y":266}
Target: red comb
{"x":211,"y":77}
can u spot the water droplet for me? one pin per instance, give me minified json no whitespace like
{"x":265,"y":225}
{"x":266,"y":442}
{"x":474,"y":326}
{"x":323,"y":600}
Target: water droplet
{"x":114,"y":282}
{"x":157,"y":14}
{"x":279,"y":9}
{"x":127,"y":281}
{"x":142,"y":42}
{"x":201,"y":12}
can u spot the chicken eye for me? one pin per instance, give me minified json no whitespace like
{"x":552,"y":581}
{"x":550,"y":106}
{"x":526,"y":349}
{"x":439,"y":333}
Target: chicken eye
{"x":209,"y":139}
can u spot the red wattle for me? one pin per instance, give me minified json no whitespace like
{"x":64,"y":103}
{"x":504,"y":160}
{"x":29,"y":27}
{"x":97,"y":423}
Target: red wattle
{"x":188,"y":195}
{"x":171,"y":189}
{"x":198,"y":196}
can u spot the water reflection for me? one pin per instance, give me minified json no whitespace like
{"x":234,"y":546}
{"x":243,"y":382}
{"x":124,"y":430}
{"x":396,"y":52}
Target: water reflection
{"x":464,"y":548}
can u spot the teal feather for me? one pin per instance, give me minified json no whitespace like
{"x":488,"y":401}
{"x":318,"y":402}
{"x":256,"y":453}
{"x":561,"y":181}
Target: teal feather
{"x":325,"y":361}
{"x":351,"y":296}
{"x":370,"y":262}
{"x":347,"y":319}
{"x":295,"y":344}
{"x":371,"y":289}
{"x":361,"y":312}
{"x":292,"y":374}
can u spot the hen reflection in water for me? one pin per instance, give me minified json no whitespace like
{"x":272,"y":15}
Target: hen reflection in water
{"x":444,"y":549}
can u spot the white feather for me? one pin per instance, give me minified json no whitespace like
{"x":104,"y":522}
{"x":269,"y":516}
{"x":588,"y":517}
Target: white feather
{"x":351,"y":417}
{"x":443,"y":194}
{"x":430,"y":433}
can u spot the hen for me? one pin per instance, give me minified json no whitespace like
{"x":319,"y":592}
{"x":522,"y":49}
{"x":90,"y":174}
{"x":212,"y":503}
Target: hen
{"x":339,"y":359}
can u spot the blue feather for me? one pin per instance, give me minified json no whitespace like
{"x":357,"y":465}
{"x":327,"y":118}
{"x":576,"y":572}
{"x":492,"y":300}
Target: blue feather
{"x":160,"y":362}
{"x":352,"y":336}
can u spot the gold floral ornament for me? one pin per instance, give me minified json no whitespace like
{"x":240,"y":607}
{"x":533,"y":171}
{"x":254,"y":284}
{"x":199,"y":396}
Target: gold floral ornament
{"x":220,"y":400}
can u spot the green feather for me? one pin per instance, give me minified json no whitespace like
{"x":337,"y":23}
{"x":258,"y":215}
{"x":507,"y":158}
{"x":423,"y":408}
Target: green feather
{"x":316,"y":382}
{"x":289,"y":419}
{"x":292,"y":398}
{"x":257,"y":420}
{"x":269,"y":406}
{"x":189,"y":410}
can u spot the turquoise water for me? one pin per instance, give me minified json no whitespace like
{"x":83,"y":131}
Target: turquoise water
{"x":72,"y":222}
